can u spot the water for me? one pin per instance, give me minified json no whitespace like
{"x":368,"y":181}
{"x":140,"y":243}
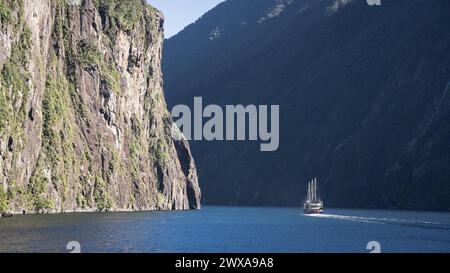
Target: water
{"x":229,"y":229}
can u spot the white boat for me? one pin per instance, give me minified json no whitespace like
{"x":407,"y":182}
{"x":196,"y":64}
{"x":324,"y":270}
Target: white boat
{"x":313,"y":203}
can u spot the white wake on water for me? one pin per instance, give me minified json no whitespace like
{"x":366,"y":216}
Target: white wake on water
{"x":414,"y":223}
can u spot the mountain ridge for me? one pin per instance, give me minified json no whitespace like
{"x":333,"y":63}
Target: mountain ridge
{"x":358,"y":90}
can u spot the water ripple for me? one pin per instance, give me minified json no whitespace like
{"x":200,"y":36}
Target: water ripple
{"x":411,"y":223}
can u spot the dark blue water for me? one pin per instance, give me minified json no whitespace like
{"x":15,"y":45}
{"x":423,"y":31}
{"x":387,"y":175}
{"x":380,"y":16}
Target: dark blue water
{"x":229,"y":229}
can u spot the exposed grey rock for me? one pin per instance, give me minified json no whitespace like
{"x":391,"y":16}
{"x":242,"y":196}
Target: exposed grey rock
{"x":85,"y":127}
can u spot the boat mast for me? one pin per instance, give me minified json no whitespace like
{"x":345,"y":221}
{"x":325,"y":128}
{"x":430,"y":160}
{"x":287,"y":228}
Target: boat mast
{"x":318,"y":193}
{"x":309,"y":192}
{"x":314,"y":190}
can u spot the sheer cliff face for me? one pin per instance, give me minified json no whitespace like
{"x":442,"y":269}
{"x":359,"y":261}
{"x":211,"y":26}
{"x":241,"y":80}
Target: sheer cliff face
{"x":83,"y":121}
{"x":363,"y":91}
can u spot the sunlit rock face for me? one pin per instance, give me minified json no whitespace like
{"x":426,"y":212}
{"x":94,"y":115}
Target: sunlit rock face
{"x":83,"y":121}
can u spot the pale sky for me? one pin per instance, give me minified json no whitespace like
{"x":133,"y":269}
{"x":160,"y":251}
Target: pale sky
{"x":180,"y":13}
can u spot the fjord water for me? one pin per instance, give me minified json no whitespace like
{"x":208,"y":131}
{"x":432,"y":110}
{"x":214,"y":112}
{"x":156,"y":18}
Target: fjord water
{"x":229,"y":229}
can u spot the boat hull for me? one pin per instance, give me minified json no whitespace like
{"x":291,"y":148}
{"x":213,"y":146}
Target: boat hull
{"x":305,"y":211}
{"x":313,"y":208}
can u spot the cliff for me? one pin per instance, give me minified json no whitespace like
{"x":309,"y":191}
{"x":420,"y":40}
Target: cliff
{"x":83,"y":121}
{"x":363,"y":92}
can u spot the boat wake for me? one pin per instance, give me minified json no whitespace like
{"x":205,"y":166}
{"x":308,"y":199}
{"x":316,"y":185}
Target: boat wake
{"x":392,"y":221}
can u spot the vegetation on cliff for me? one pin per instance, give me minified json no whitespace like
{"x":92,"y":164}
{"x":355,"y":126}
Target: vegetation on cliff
{"x":78,"y":120}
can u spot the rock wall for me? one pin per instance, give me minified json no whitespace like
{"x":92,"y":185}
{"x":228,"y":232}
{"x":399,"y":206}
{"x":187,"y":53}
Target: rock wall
{"x":364,"y":98}
{"x":83,"y":121}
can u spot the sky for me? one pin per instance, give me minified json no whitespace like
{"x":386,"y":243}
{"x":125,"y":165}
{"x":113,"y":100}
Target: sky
{"x":180,"y":13}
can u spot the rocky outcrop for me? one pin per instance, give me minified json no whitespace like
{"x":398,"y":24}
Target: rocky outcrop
{"x":83,"y":121}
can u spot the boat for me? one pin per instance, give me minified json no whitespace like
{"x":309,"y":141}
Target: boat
{"x":313,"y":203}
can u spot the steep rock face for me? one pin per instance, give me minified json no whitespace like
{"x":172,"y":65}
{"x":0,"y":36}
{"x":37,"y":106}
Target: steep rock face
{"x":363,"y":91}
{"x":83,"y":121}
